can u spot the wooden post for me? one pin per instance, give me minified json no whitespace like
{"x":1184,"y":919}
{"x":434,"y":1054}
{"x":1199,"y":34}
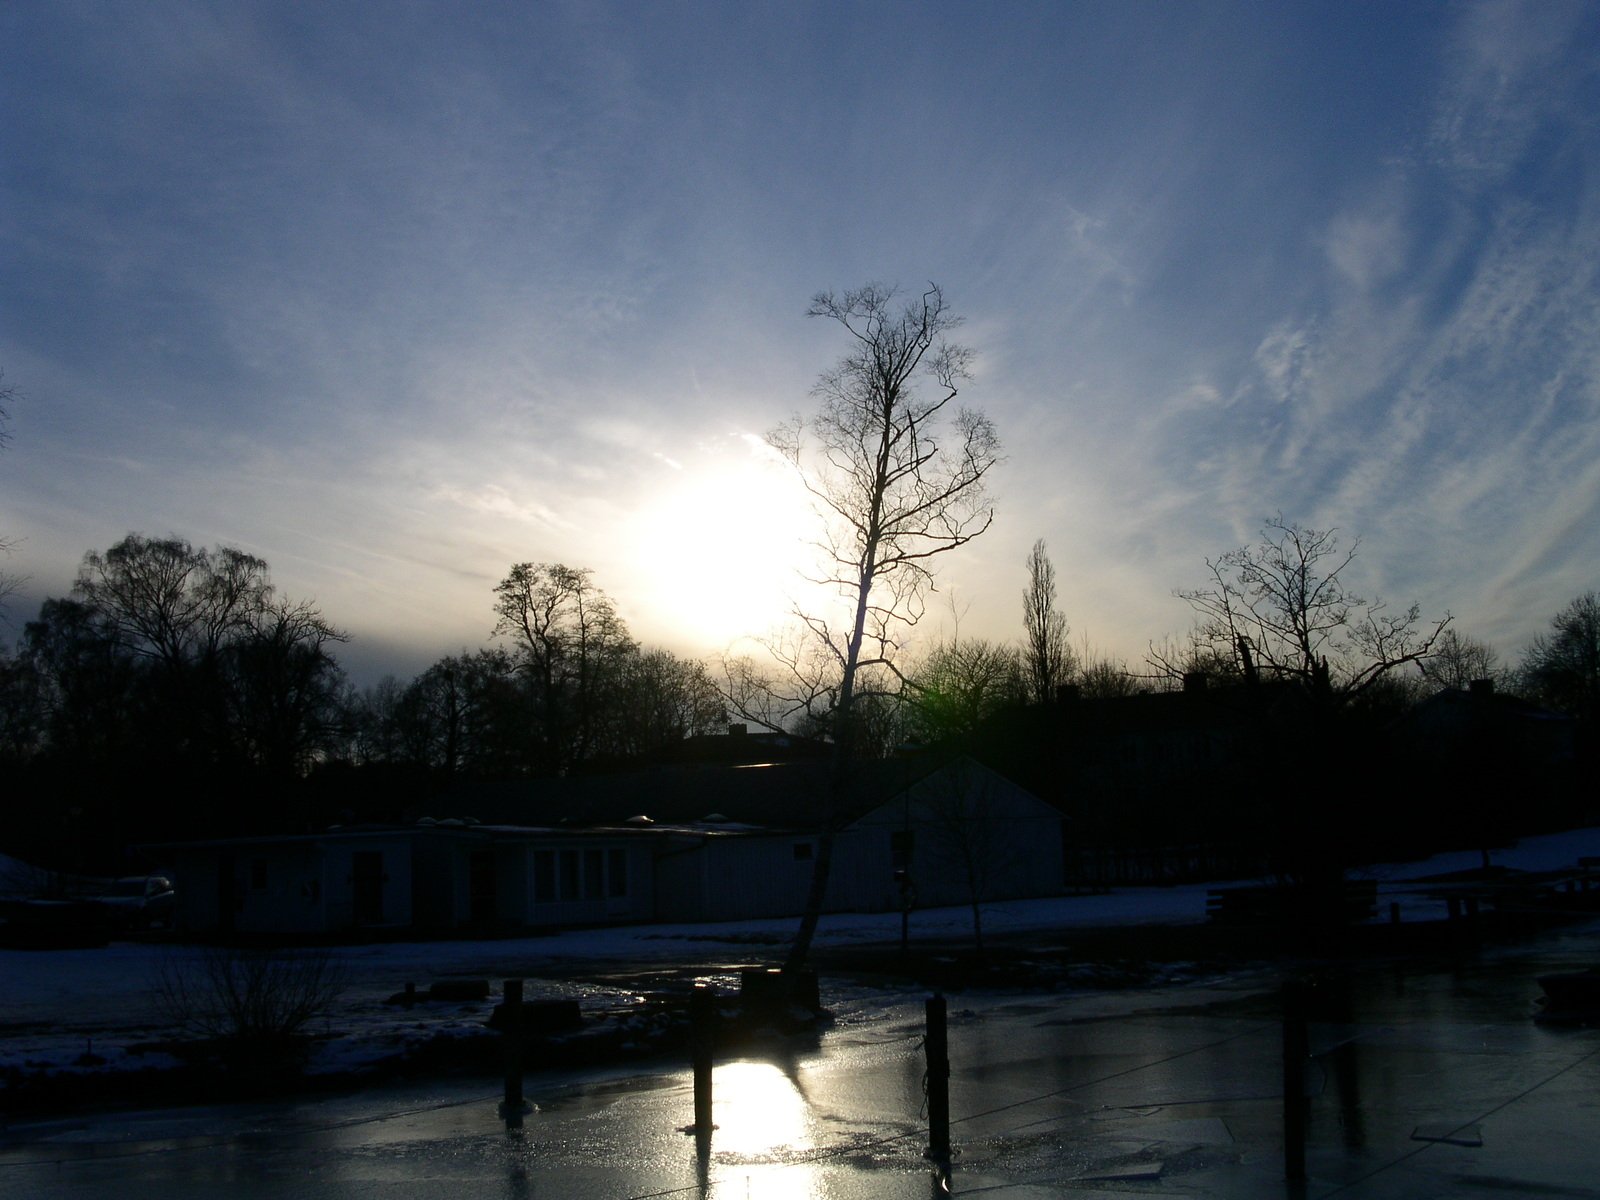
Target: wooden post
{"x":512,"y":1012}
{"x":1296,"y":1049}
{"x":937,"y":1044}
{"x":702,"y":1043}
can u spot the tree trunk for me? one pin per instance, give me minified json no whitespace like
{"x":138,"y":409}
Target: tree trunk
{"x":839,"y":767}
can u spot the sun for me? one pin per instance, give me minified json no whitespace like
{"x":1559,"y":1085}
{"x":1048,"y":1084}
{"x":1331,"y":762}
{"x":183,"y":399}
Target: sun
{"x":717,"y":548}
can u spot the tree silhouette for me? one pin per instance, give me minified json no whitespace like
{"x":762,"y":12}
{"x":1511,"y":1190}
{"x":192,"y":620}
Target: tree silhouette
{"x":569,"y":643}
{"x":1280,"y":609}
{"x":1047,"y":656}
{"x":960,"y":684}
{"x":897,"y":478}
{"x":1562,"y":667}
{"x":172,"y":677}
{"x":1459,"y":661}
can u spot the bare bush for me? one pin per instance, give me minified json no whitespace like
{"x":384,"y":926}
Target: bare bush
{"x":254,"y":996}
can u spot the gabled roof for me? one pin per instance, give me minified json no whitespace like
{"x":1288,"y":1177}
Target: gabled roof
{"x":789,"y":796}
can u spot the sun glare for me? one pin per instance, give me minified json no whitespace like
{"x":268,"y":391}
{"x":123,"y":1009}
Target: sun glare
{"x":716,"y":550}
{"x":757,"y":1110}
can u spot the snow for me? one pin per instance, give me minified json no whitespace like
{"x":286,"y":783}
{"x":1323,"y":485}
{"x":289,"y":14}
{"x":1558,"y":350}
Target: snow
{"x":56,"y":1006}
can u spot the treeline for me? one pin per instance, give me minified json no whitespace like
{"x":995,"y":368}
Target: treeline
{"x":571,"y":688}
{"x":1280,"y":611}
{"x":175,"y":694}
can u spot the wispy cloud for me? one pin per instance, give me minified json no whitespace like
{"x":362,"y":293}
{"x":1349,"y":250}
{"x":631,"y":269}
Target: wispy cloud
{"x":403,"y":299}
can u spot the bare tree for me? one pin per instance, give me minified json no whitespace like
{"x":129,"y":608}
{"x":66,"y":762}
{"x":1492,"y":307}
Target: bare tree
{"x":1108,"y":679}
{"x":163,"y":599}
{"x":285,"y":690}
{"x":227,"y":661}
{"x":1099,"y":675}
{"x":897,"y":478}
{"x":794,"y":684}
{"x":1459,"y":661}
{"x":9,"y":581}
{"x":662,"y":700}
{"x":971,"y":834}
{"x":568,"y":641}
{"x":1562,"y":667}
{"x":1047,"y":657}
{"x":1174,"y":661}
{"x":1280,"y":609}
{"x":961,"y":684}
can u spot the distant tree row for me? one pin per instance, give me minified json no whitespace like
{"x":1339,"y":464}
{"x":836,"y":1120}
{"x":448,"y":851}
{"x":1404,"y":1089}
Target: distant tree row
{"x":170,"y":685}
{"x":169,"y":653}
{"x":1278,"y":610}
{"x":174,"y":693}
{"x":571,"y":687}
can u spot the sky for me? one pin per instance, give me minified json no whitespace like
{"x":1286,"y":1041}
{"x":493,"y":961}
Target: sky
{"x":398,"y":295}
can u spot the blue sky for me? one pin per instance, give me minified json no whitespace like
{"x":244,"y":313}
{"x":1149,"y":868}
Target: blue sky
{"x":396,"y":295}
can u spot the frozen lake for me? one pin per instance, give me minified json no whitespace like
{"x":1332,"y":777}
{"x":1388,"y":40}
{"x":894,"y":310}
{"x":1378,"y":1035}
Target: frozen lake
{"x":1427,"y":1079}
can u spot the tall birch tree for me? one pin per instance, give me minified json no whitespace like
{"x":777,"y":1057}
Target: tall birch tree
{"x":897,"y":477}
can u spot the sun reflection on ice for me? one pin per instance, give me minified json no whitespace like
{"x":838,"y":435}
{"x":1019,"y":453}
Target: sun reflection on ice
{"x":758,"y":1111}
{"x":761,"y":1118}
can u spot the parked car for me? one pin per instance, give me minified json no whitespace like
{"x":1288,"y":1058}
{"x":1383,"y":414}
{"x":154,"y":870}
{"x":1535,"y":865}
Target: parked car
{"x":139,"y":901}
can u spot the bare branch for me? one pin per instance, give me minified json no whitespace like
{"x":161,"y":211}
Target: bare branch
{"x":1283,"y":603}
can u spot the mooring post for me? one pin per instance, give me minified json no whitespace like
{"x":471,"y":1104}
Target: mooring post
{"x":511,"y":1011}
{"x":1296,"y":1049}
{"x":702,"y":1045}
{"x":937,"y":1043}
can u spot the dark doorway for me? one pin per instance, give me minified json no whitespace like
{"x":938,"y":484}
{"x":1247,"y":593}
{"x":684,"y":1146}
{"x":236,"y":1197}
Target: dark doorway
{"x":227,"y":893}
{"x":366,"y":874}
{"x":480,"y":887}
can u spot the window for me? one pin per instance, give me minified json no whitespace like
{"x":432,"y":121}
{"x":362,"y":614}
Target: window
{"x":594,"y":874}
{"x":544,"y":876}
{"x":802,"y":851}
{"x":569,"y":874}
{"x":616,"y":873}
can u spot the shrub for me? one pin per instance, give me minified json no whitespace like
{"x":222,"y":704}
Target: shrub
{"x":249,"y":996}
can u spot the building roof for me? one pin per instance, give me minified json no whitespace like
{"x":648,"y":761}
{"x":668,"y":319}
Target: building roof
{"x":791,"y":795}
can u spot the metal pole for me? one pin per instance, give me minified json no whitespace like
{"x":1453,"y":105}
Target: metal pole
{"x":937,"y":1044}
{"x":1296,"y":1049}
{"x":511,"y":1011}
{"x":702,"y":1042}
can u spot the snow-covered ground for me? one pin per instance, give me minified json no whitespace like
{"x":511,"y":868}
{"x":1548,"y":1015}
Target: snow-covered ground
{"x":77,"y":1011}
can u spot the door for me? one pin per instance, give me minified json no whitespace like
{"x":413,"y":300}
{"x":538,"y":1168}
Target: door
{"x":480,"y":887}
{"x":366,"y":875}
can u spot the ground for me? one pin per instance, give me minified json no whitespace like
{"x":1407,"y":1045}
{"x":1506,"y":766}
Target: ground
{"x":88,"y":1025}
